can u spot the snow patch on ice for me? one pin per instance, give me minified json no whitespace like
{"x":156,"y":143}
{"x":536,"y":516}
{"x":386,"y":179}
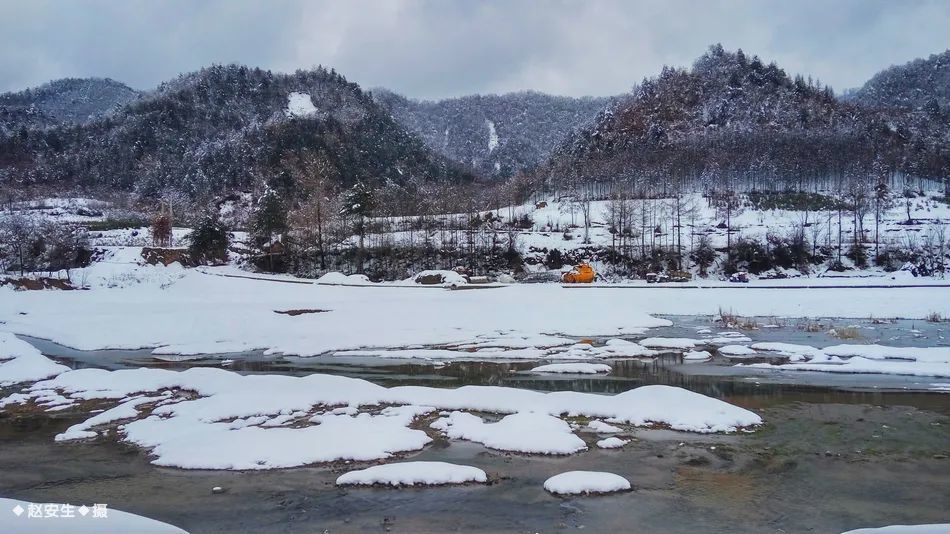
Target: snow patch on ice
{"x":527,"y":432}
{"x":413,"y":474}
{"x":573,"y":368}
{"x":586,"y":482}
{"x":21,"y":362}
{"x":736,"y":351}
{"x":612,"y":443}
{"x":670,"y":342}
{"x":602,"y":427}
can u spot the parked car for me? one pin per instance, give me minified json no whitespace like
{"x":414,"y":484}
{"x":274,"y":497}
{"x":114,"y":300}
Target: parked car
{"x":740,"y":277}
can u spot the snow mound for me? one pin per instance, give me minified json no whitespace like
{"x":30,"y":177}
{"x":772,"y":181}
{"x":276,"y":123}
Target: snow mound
{"x":435,"y":277}
{"x":340,"y":279}
{"x":869,"y":359}
{"x":115,"y":521}
{"x":585,"y":482}
{"x":670,"y":342}
{"x":736,"y":351}
{"x":793,"y":351}
{"x":414,"y":473}
{"x":697,"y":355}
{"x":881,"y":352}
{"x":21,"y":362}
{"x":300,"y":105}
{"x":602,"y":427}
{"x":527,"y":432}
{"x":942,"y":528}
{"x":573,"y":368}
{"x":612,"y":443}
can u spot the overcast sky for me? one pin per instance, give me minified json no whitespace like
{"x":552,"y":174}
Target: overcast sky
{"x":435,"y":49}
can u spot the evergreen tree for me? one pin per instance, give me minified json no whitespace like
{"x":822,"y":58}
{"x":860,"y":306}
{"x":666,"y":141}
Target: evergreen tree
{"x":359,"y":202}
{"x":209,"y":241}
{"x":269,"y":220}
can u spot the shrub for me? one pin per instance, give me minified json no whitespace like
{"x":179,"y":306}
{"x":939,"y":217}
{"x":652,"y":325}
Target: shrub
{"x":750,"y":255}
{"x":791,"y":200}
{"x":859,"y":255}
{"x":704,"y":255}
{"x":208,"y":242}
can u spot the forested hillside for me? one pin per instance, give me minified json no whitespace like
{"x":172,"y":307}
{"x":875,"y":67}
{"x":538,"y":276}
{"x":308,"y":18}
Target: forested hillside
{"x":495,"y":135}
{"x":69,"y":101}
{"x":732,"y":122}
{"x":224,"y":128}
{"x":922,"y":84}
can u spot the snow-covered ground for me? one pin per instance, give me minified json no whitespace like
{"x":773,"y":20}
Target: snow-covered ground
{"x":911,"y":361}
{"x":300,"y":105}
{"x":57,"y":518}
{"x":558,"y":224}
{"x":275,"y":421}
{"x":586,"y":482}
{"x":21,"y":362}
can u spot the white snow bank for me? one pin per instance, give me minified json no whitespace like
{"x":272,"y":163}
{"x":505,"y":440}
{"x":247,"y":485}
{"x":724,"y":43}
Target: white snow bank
{"x":300,"y":105}
{"x":697,"y":355}
{"x":126,"y":410}
{"x":573,"y":368}
{"x":670,"y":342}
{"x":527,"y":432}
{"x":869,"y":359}
{"x":602,"y":427}
{"x":338,"y":278}
{"x":115,"y":521}
{"x":860,"y":365}
{"x":726,"y":338}
{"x":578,"y":482}
{"x":941,"y":528}
{"x":736,"y":351}
{"x":234,"y":421}
{"x":793,"y":351}
{"x":448,"y":278}
{"x":612,"y":443}
{"x":414,"y":473}
{"x":21,"y":362}
{"x":880,"y":352}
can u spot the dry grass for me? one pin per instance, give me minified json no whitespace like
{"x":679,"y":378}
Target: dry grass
{"x":813,"y":327}
{"x":845,"y":332}
{"x":730,"y":320}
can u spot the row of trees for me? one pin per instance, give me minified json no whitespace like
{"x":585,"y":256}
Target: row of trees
{"x":30,"y":245}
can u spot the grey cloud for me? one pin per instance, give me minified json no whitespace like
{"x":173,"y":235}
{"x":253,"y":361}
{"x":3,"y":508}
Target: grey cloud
{"x":433,"y":49}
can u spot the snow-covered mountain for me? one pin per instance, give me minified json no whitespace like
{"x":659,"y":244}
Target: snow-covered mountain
{"x":922,"y":84}
{"x":224,"y":128}
{"x":495,"y":135}
{"x":69,"y":100}
{"x":733,"y":121}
